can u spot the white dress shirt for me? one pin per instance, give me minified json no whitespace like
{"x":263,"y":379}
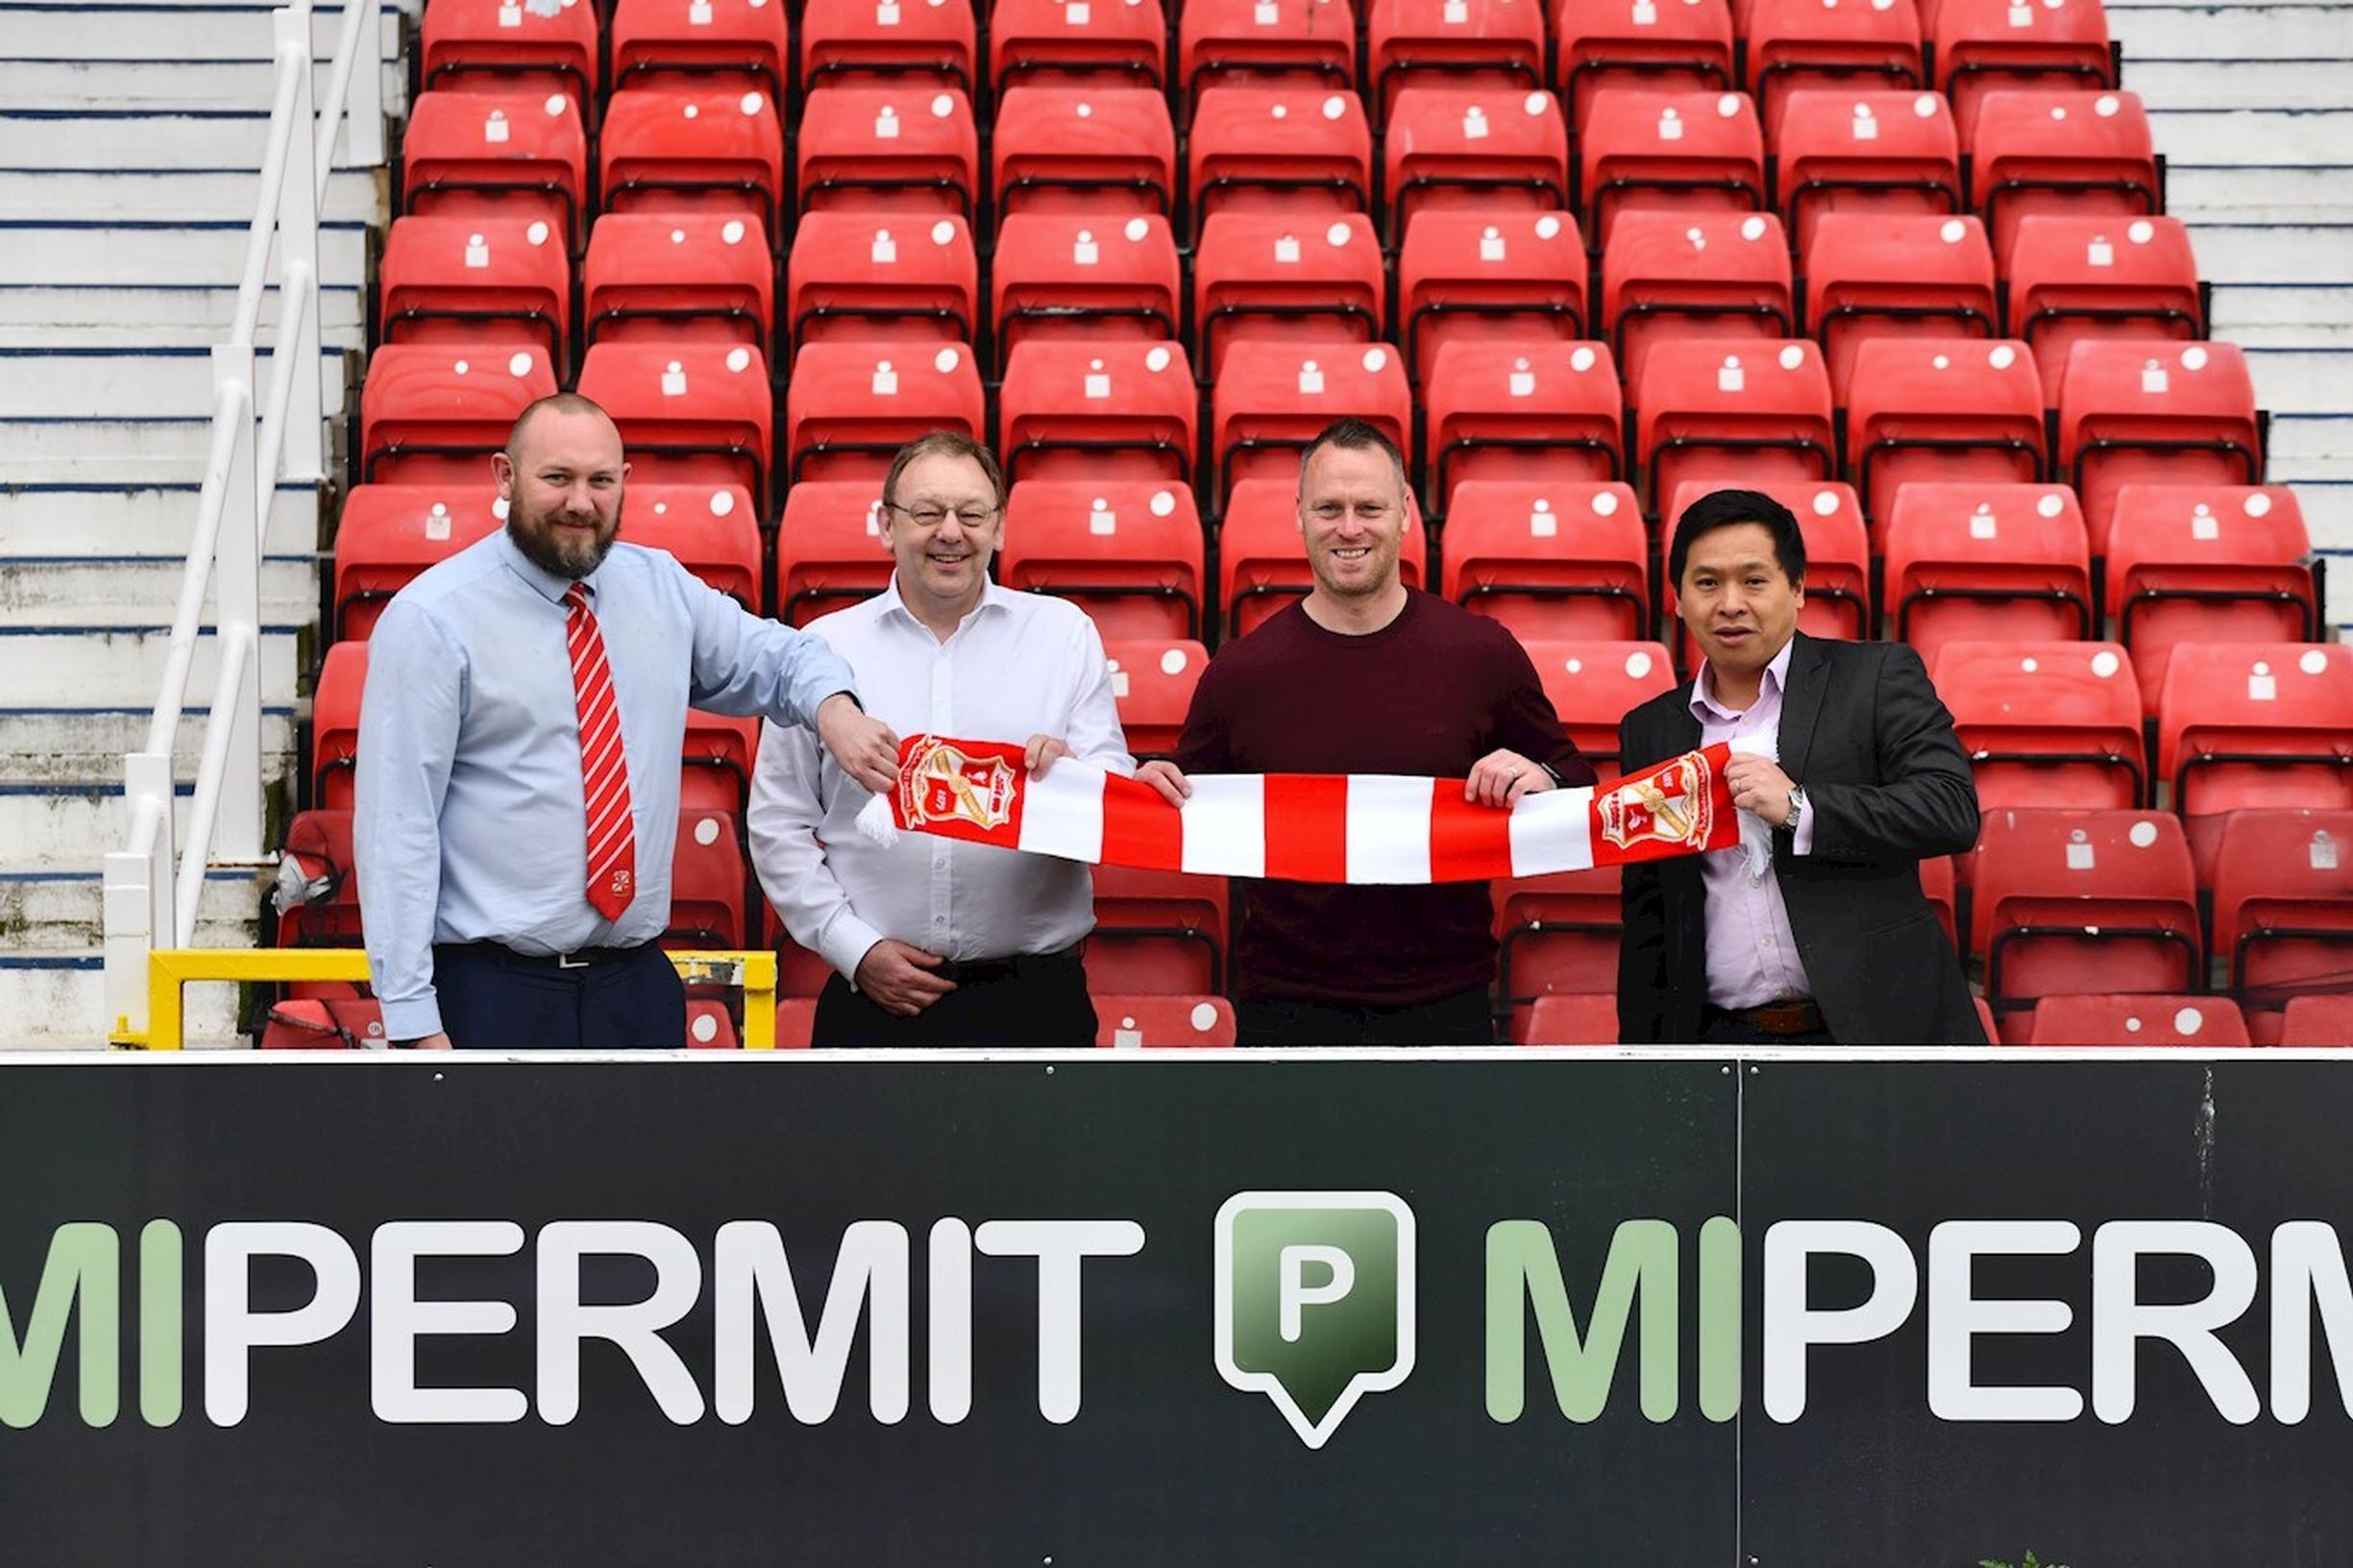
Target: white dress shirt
{"x":1018,"y":665}
{"x":1751,"y":953}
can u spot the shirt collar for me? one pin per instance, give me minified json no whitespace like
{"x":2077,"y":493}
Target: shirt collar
{"x":993,"y":595}
{"x":1703,"y":704}
{"x":549,"y":586}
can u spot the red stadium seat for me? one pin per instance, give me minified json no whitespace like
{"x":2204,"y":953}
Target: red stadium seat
{"x":1732,"y":410}
{"x":692,"y":152}
{"x":896,"y":149}
{"x":1679,"y":45}
{"x":1876,"y":275}
{"x":849,"y":407}
{"x":1157,"y":933}
{"x":1593,"y":685}
{"x":432,"y":413}
{"x":2139,"y":1022}
{"x":705,"y":44}
{"x":482,"y":153}
{"x":1064,"y":277}
{"x":1291,"y":43}
{"x":1097,"y":153}
{"x":1495,"y":43}
{"x":707,"y":883}
{"x":1129,"y":552}
{"x":1131,"y":1022}
{"x":2072,"y":278}
{"x":1566,"y":1020}
{"x":1838,"y":599}
{"x":877,"y":279}
{"x":388,"y":533}
{"x":476,"y":280}
{"x":1082,"y":45}
{"x":715,"y":763}
{"x":1956,"y":410}
{"x":2241,"y":725}
{"x":1153,"y":683}
{"x":1795,"y":45}
{"x":2155,"y":413}
{"x":1271,"y":278}
{"x":1557,"y":936}
{"x":2318,"y":1021}
{"x":502,"y":46}
{"x":1689,"y":275}
{"x":1106,"y":411}
{"x":2045,"y":725}
{"x":714,"y":530}
{"x":1532,"y":411}
{"x":1278,"y":150}
{"x":829,"y":548}
{"x":796,"y":1021}
{"x":691,"y":413}
{"x":1550,"y":559}
{"x":319,"y":845}
{"x":906,"y":45}
{"x":334,"y":724}
{"x":2066,"y":898}
{"x":1474,"y":149}
{"x":2283,"y":903}
{"x":1488,"y":277}
{"x":1271,"y":399}
{"x":1877,"y":154}
{"x":2207,"y":564}
{"x":1682,"y":152}
{"x":1998,"y":562}
{"x":1986,"y":45}
{"x":679,"y":277}
{"x":325,"y":1024}
{"x":709,"y":1026}
{"x":2081,"y":153}
{"x":1262,"y":559}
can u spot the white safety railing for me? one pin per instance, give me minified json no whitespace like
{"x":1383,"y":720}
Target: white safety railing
{"x":152,"y":893}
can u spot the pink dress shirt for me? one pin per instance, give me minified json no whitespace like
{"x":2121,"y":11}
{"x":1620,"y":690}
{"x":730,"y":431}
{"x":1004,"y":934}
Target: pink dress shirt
{"x":1752,"y":954}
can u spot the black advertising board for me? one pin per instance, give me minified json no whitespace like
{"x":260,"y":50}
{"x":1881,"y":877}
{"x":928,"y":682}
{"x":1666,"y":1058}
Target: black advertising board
{"x":1208,"y":1309}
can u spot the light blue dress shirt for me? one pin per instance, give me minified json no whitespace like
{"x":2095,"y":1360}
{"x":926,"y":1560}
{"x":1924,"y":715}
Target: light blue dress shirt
{"x":468,"y":824}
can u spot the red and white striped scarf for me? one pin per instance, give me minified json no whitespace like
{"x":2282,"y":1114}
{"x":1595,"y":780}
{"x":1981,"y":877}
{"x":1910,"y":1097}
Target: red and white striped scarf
{"x":1302,"y":827}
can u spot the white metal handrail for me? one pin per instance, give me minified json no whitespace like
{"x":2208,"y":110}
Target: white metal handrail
{"x":152,"y":894}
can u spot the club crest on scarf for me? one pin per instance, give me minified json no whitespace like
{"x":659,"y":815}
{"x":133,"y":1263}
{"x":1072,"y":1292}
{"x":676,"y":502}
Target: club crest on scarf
{"x":1669,"y":806}
{"x":940,"y":782}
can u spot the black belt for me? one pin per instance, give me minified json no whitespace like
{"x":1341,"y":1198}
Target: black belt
{"x":1791,"y":1016}
{"x":982,"y":971}
{"x":586,"y":958}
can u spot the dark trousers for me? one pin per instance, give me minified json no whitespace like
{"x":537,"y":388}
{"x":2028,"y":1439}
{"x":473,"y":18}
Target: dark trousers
{"x":618,"y":999}
{"x":1035,"y":1001}
{"x":1717,"y":1027}
{"x":1463,"y":1018}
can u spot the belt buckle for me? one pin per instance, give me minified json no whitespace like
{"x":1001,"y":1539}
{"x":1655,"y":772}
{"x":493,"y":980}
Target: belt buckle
{"x":565,"y":960}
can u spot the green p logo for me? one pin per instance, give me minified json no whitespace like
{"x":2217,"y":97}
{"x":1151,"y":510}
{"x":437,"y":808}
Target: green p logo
{"x":1314,"y":1300}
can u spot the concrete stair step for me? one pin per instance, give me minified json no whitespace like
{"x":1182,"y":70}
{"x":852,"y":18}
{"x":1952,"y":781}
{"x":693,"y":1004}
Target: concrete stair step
{"x":161,"y":83}
{"x":2302,"y":379}
{"x":2194,"y":81}
{"x":192,"y":196}
{"x":70,"y":826}
{"x":160,"y":251}
{"x":2242,"y":310}
{"x":133,"y":139}
{"x":152,"y":383}
{"x":2307,"y":447}
{"x":54,"y":909}
{"x":128,"y":453}
{"x":2258,"y":193}
{"x":44,"y":318}
{"x":112,"y":519}
{"x":136,"y":590}
{"x":152,"y":32}
{"x":2274,"y":252}
{"x":56,"y":1001}
{"x":59,"y":747}
{"x":123,"y":666}
{"x":2259,"y":136}
{"x":2301,"y":30}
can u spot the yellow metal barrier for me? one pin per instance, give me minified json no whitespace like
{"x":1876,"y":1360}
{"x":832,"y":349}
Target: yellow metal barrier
{"x":169,"y":968}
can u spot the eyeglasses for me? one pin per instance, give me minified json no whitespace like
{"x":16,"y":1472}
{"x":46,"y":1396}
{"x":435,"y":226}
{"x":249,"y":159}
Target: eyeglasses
{"x":931,"y":517}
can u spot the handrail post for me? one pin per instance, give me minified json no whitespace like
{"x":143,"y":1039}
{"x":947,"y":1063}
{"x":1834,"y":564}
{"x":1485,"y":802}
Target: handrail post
{"x":139,"y":890}
{"x":236,"y":576}
{"x":357,"y":86}
{"x":298,"y":241}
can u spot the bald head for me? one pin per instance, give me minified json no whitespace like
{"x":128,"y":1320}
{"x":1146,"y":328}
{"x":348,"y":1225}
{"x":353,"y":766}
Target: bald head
{"x":558,"y":403}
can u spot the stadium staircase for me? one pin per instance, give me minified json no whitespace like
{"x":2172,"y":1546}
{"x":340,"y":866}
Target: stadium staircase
{"x":130,"y":139}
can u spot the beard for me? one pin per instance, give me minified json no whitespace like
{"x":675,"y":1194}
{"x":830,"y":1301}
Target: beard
{"x":554,"y":550}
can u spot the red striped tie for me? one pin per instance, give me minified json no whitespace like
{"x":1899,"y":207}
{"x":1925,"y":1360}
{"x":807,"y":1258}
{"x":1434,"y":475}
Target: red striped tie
{"x":604,"y":770}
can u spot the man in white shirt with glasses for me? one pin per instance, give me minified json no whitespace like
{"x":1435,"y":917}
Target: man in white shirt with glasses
{"x":935,"y":942}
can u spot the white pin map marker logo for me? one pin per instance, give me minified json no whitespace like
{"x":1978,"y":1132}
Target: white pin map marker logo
{"x":1314,"y":1300}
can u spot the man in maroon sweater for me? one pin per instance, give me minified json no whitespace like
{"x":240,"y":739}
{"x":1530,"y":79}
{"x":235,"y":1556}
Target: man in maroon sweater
{"x":1367,"y":675}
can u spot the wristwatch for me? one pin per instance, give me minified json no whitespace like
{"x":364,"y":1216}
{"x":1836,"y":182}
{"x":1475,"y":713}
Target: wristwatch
{"x":1796,"y":807}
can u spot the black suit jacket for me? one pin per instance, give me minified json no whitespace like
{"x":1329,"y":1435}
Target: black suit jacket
{"x":1888,"y":786}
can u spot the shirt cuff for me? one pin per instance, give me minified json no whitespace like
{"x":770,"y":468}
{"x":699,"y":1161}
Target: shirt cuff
{"x":844,"y":943}
{"x":412,"y":1020}
{"x":1802,"y":842}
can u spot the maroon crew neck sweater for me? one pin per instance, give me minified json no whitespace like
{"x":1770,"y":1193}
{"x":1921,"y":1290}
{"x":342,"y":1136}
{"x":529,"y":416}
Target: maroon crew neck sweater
{"x":1429,"y":694}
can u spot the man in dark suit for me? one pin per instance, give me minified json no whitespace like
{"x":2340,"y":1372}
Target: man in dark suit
{"x":1847,"y":774}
